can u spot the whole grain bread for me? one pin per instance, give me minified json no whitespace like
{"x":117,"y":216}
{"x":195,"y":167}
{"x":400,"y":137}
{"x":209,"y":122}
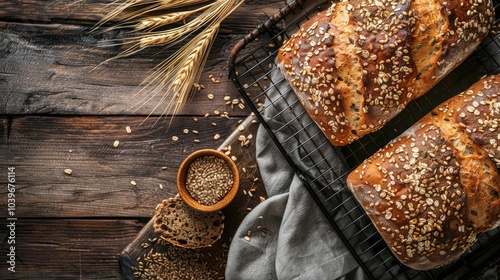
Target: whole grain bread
{"x":433,"y":189}
{"x":185,"y":227}
{"x":357,"y":64}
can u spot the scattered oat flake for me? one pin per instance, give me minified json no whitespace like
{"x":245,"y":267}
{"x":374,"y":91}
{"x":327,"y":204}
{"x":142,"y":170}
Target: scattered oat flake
{"x":217,"y":136}
{"x":68,"y":171}
{"x":185,"y":130}
{"x":234,"y":158}
{"x":247,"y":238}
{"x":116,"y":143}
{"x":133,"y":183}
{"x":175,"y":138}
{"x":164,"y":168}
{"x":161,"y":187}
{"x":128,"y":129}
{"x":210,"y":96}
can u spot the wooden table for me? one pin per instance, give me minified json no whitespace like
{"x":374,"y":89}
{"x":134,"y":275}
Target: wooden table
{"x":58,"y":112}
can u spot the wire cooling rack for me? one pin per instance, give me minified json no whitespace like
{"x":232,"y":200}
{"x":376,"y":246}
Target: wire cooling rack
{"x":324,"y":168}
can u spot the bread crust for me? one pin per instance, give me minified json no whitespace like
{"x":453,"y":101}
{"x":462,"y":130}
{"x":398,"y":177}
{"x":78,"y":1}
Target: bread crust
{"x":179,"y":224}
{"x":433,"y":189}
{"x":357,"y":64}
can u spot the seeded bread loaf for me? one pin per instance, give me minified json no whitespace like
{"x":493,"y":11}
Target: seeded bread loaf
{"x":357,"y":64}
{"x":433,"y":189}
{"x":185,"y":227}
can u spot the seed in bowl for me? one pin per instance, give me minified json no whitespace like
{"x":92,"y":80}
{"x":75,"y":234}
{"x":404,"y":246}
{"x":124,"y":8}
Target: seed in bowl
{"x":208,"y":179}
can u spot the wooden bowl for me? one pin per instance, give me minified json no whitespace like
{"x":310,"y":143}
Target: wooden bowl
{"x":184,"y":193}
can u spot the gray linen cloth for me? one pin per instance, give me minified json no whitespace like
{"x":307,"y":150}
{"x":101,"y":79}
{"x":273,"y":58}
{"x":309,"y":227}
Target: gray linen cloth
{"x":290,"y":237}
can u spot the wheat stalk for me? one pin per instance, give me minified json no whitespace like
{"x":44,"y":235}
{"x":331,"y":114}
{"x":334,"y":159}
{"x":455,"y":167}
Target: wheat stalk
{"x":151,"y":5}
{"x":175,"y":76}
{"x":214,"y":12}
{"x":151,"y":23}
{"x":190,"y":69}
{"x":155,"y":22}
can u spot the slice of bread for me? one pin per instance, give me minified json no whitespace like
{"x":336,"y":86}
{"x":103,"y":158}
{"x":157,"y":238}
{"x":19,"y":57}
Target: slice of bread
{"x":185,"y":227}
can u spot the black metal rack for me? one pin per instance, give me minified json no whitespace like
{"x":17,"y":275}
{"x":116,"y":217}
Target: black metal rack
{"x":324,"y":168}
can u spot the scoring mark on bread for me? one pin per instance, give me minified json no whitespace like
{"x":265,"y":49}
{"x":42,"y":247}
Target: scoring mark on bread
{"x":377,"y":55}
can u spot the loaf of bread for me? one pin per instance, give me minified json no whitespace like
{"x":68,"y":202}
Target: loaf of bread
{"x":179,"y":224}
{"x":357,"y":64}
{"x":433,"y":189}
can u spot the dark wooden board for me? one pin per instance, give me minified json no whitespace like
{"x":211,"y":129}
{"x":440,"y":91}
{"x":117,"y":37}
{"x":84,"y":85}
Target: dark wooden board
{"x":68,"y":248}
{"x":41,"y":148}
{"x":54,"y":69}
{"x":215,"y":256}
{"x":58,"y":111}
{"x":49,"y":60}
{"x":36,"y":12}
{"x":87,"y":12}
{"x":58,"y":252}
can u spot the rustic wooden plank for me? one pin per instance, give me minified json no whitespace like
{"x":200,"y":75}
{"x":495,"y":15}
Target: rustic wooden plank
{"x":41,"y":148}
{"x":4,"y":129}
{"x":52,"y":69}
{"x":90,"y":11}
{"x":68,"y":248}
{"x":35,"y":11}
{"x":252,"y":193}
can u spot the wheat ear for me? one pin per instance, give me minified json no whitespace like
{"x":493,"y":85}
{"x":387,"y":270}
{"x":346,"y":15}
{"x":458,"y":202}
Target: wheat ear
{"x":219,"y":9}
{"x":174,"y":78}
{"x":151,"y":23}
{"x":150,"y":6}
